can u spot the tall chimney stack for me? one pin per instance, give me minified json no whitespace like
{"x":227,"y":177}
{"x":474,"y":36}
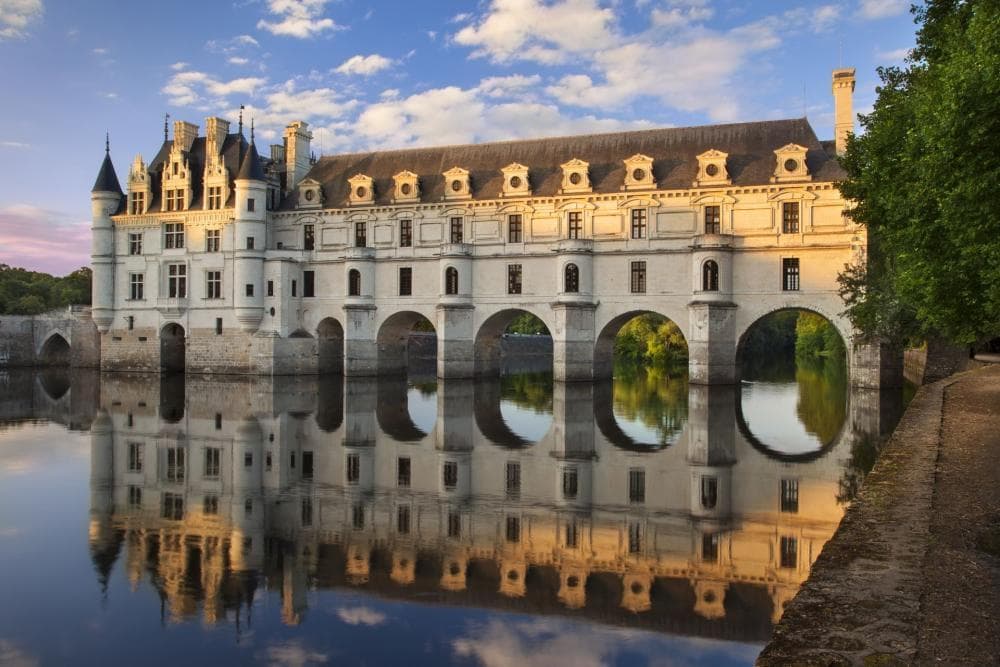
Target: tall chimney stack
{"x":297,"y":137}
{"x":843,"y":107}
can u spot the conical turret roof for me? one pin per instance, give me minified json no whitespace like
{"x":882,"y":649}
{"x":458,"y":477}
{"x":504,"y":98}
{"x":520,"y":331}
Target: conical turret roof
{"x":107,"y":179}
{"x":250,"y":169}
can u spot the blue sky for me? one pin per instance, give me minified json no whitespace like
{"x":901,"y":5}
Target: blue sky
{"x":388,"y":74}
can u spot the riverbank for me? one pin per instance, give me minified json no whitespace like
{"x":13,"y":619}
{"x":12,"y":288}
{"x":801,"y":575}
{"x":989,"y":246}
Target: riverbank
{"x":912,"y":575}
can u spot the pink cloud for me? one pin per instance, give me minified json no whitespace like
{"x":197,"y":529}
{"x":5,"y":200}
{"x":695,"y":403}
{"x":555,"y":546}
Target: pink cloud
{"x":43,"y":240}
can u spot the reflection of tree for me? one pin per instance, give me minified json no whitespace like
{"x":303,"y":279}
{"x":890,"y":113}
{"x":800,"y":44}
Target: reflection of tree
{"x":822,"y":406}
{"x":652,"y":397}
{"x":653,"y":340}
{"x":528,"y":390}
{"x":864,"y":452}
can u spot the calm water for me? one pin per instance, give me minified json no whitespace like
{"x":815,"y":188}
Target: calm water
{"x":515,"y":522}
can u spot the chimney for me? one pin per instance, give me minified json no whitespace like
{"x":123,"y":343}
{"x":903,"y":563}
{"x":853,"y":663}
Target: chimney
{"x":843,"y":107}
{"x":184,"y":134}
{"x":297,"y":137}
{"x":216,"y":130}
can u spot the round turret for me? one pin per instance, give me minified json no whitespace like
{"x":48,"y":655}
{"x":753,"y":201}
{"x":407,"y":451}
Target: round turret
{"x":106,"y":199}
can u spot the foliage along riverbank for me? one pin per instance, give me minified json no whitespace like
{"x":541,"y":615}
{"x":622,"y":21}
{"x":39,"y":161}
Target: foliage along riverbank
{"x":24,"y":292}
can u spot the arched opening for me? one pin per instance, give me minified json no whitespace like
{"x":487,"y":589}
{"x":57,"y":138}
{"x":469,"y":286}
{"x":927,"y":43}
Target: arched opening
{"x":641,"y":402}
{"x":407,"y":345}
{"x":514,"y":411}
{"x":793,"y":391}
{"x":55,"y":382}
{"x":571,"y":279}
{"x":710,"y":276}
{"x":513,"y":341}
{"x":55,"y":352}
{"x":406,"y":411}
{"x":330,"y":346}
{"x":451,"y":280}
{"x":353,"y":283}
{"x":172,"y":348}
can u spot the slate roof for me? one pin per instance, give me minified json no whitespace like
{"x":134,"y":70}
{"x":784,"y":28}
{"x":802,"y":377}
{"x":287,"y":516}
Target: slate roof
{"x":251,"y":169}
{"x":107,"y":179}
{"x":750,"y":147}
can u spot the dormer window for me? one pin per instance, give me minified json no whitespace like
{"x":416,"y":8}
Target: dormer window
{"x":310,"y":194}
{"x":712,"y":169}
{"x":407,"y":187}
{"x":515,"y":181}
{"x":457,"y":184}
{"x":639,"y":172}
{"x":576,"y":176}
{"x":790,"y":164}
{"x":362,"y":190}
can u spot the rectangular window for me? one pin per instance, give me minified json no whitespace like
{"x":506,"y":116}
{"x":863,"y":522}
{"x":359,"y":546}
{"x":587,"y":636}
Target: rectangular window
{"x":450,"y":474}
{"x":218,"y":421}
{"x":307,"y":465}
{"x":403,"y":472}
{"x":358,"y":516}
{"x":572,"y":535}
{"x":308,"y":237}
{"x":249,"y":289}
{"x":456,"y":230}
{"x":308,"y":284}
{"x":709,"y":492}
{"x":215,"y":197}
{"x":789,"y":552}
{"x":135,"y":497}
{"x":295,"y":288}
{"x":247,"y":459}
{"x":512,"y":479}
{"x":405,"y":233}
{"x":710,"y":548}
{"x":213,"y":240}
{"x":251,"y":205}
{"x":213,"y":284}
{"x":513,"y":279}
{"x":790,"y":274}
{"x":638,"y":281}
{"x":175,"y":200}
{"x":135,"y":286}
{"x":353,"y":468}
{"x":515,"y":227}
{"x":218,"y":326}
{"x":270,"y":288}
{"x":637,"y":486}
{"x":634,"y":538}
{"x":135,"y":457}
{"x":360,"y":235}
{"x":570,"y":483}
{"x":307,"y":512}
{"x":173,"y":235}
{"x":135,"y":243}
{"x":177,"y":281}
{"x":454,"y":524}
{"x":638,"y":223}
{"x":575,"y":224}
{"x":790,"y":217}
{"x":790,"y":496}
{"x":138,"y":203}
{"x":713,"y":220}
{"x":175,"y":464}
{"x":403,"y":519}
{"x":251,"y":242}
{"x":173,"y":506}
{"x":513,"y":529}
{"x":213,"y":457}
{"x":405,"y":281}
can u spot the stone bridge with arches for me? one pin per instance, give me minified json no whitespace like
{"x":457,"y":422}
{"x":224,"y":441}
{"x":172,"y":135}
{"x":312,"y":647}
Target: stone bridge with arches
{"x":60,"y":338}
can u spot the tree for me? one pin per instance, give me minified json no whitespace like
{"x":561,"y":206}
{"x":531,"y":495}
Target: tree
{"x":923,"y":177}
{"x":24,"y":292}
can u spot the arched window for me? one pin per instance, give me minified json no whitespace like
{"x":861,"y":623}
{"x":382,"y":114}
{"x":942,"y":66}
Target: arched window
{"x":353,"y":283}
{"x":710,"y":276}
{"x":572,"y":279}
{"x":451,"y":280}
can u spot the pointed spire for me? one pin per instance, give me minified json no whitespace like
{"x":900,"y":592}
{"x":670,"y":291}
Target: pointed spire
{"x":241,"y":120}
{"x":166,"y":127}
{"x":251,"y":129}
{"x":250,"y":169}
{"x":107,"y":179}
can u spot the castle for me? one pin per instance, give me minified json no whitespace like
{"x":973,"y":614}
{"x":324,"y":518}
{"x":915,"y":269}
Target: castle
{"x":217,"y":260}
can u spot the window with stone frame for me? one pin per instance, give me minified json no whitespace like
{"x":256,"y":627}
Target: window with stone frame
{"x":136,"y":286}
{"x":571,"y":279}
{"x":639,"y":223}
{"x":308,"y":284}
{"x":405,"y":233}
{"x":570,"y":483}
{"x":449,"y":475}
{"x":138,"y":203}
{"x":713,"y":219}
{"x":405,"y":281}
{"x":174,"y":200}
{"x":790,"y":496}
{"x":135,"y":456}
{"x":177,"y":281}
{"x":456,"y":229}
{"x":353,"y":468}
{"x":213,"y":284}
{"x":710,"y":276}
{"x":360,"y":235}
{"x":353,"y":283}
{"x":135,"y":243}
{"x":790,"y":217}
{"x":789,"y":552}
{"x":637,"y":485}
{"x":173,"y":235}
{"x":575,"y":224}
{"x":513,"y":279}
{"x":637,"y":281}
{"x":790,"y":278}
{"x":308,"y":237}
{"x":451,"y":280}
{"x":515,"y":228}
{"x":214,"y":197}
{"x":213,"y":458}
{"x":213,"y":240}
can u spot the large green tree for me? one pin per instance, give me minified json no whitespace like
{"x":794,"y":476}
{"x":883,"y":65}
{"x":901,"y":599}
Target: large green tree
{"x":925,"y":177}
{"x":24,"y":292}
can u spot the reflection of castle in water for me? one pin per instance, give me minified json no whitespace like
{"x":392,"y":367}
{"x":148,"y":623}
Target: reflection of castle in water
{"x":216,"y":486}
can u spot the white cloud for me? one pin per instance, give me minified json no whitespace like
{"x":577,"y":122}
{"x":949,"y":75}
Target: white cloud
{"x":100,"y":51}
{"x":523,"y":30}
{"x":505,"y":86}
{"x":178,"y":66}
{"x":896,"y":55}
{"x":877,"y":9}
{"x":361,"y":616}
{"x":238,"y":60}
{"x":188,"y":88}
{"x":292,"y":654}
{"x":17,"y":15}
{"x":14,"y":144}
{"x":231,"y":45}
{"x":364,"y":65}
{"x":824,"y":17}
{"x":299,"y":18}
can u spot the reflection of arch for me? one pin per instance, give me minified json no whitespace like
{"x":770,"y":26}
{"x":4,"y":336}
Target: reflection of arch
{"x":771,"y":453}
{"x":392,"y":411}
{"x":172,"y":348}
{"x":489,"y":419}
{"x":604,"y":416}
{"x":172,"y":398}
{"x":488,"y":345}
{"x":55,"y":382}
{"x":710,"y":276}
{"x":300,"y":333}
{"x":330,"y":403}
{"x":393,"y":341}
{"x":55,"y":351}
{"x":604,"y":348}
{"x":330,"y":346}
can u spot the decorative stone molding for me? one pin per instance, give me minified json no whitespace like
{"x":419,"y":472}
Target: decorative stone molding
{"x":639,"y":173}
{"x":457,"y":184}
{"x":790,"y":164}
{"x":362,"y":190}
{"x":310,"y":194}
{"x":712,"y":169}
{"x":515,"y":181}
{"x":576,"y":176}
{"x":406,"y":187}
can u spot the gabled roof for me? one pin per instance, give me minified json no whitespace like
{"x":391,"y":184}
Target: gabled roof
{"x":674,"y":150}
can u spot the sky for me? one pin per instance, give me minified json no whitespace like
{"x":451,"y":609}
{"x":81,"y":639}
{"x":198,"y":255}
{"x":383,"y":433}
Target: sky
{"x":368,"y":75}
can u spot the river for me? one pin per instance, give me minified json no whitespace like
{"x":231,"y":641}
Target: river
{"x":300,"y":521}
